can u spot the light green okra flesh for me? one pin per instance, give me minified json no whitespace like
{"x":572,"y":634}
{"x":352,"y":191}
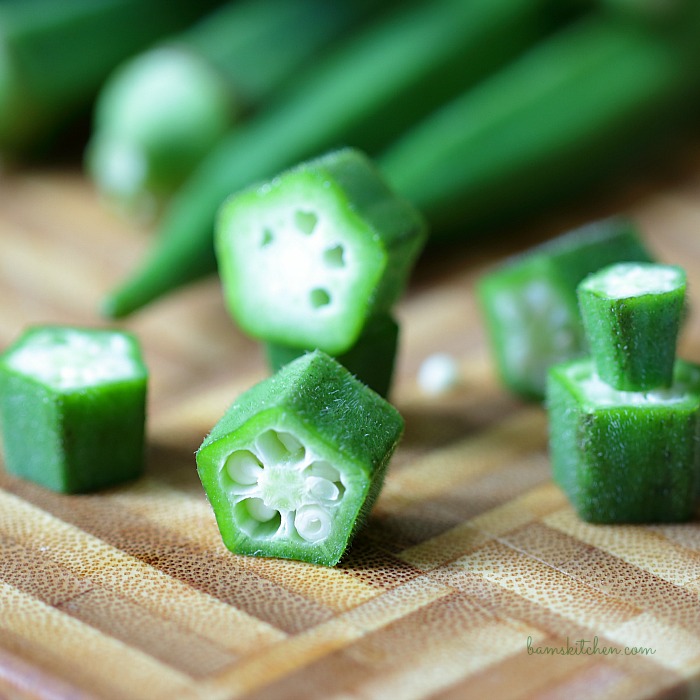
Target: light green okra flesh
{"x":293,"y":467}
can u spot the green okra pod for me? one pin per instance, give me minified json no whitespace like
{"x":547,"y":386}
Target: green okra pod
{"x":72,"y":406}
{"x":160,"y":113}
{"x":364,"y":94}
{"x":576,"y":108}
{"x":295,"y":464}
{"x":55,"y":55}
{"x":632,"y":314}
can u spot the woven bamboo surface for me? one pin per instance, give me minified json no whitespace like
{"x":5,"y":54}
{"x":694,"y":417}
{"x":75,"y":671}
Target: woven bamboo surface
{"x":470,"y":552}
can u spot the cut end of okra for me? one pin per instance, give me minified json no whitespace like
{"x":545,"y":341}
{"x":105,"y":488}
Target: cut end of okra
{"x":155,"y":119}
{"x":632,"y":314}
{"x":530,"y":306}
{"x":293,"y":467}
{"x":307,"y":258}
{"x":625,"y":456}
{"x":73,"y":407}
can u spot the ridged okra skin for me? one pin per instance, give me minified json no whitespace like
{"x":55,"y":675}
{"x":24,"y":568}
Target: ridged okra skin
{"x":530,"y":305}
{"x":632,"y":314}
{"x":72,"y":404}
{"x":295,"y":464}
{"x":309,"y":257}
{"x":625,"y":457}
{"x":371,"y":359}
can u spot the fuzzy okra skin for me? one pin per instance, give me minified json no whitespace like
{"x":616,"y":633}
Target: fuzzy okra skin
{"x":625,"y":457}
{"x":579,"y":106}
{"x":55,"y":55}
{"x":309,"y":257}
{"x":371,"y":359}
{"x":72,"y":407}
{"x":295,"y":464}
{"x":160,"y":113}
{"x":365,"y":94}
{"x":530,"y":305}
{"x":632,"y":315}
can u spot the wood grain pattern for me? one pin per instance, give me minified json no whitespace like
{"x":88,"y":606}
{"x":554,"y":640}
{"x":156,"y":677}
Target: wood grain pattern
{"x":470,"y":552}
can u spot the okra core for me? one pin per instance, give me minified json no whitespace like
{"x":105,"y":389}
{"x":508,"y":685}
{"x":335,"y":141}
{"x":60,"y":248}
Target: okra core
{"x":281,"y":489}
{"x":632,"y":314}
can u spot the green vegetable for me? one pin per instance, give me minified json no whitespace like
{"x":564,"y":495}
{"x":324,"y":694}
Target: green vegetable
{"x":573,"y":110}
{"x":54,"y":56}
{"x":632,"y":314}
{"x":307,"y":258}
{"x":72,"y":404}
{"x":371,"y":359}
{"x":529,"y":302}
{"x":162,"y":111}
{"x":295,"y":464}
{"x":364,"y":94}
{"x":625,"y":457}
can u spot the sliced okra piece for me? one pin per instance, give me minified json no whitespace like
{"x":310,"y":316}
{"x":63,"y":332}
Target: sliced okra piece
{"x":530,"y":304}
{"x":295,"y":464}
{"x":72,"y":403}
{"x":625,"y":456}
{"x":309,"y":257}
{"x":632,"y":315}
{"x":371,"y":359}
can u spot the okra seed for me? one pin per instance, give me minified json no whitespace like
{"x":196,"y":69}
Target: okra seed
{"x":319,"y":298}
{"x":323,"y":470}
{"x":313,"y":523}
{"x":243,"y":467}
{"x":335,"y":256}
{"x":322,"y":489}
{"x":305,"y":221}
{"x":259,"y":510}
{"x":272,"y":449}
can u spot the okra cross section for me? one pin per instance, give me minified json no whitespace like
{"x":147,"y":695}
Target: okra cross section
{"x":307,"y":258}
{"x":295,"y":464}
{"x":632,"y":314}
{"x":72,"y":402}
{"x":625,"y":456}
{"x":530,"y":304}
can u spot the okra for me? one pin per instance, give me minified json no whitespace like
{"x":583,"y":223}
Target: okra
{"x":625,"y":456}
{"x":309,"y":257}
{"x":530,"y":305}
{"x":55,"y":55}
{"x":632,"y":315}
{"x":72,"y":406}
{"x":579,"y":106}
{"x":366,"y":93}
{"x":628,"y":455}
{"x":163,"y":110}
{"x":371,"y":359}
{"x":295,"y":464}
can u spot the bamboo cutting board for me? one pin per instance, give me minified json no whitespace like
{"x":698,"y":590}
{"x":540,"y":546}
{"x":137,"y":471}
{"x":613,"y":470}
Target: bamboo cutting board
{"x":472,"y":559}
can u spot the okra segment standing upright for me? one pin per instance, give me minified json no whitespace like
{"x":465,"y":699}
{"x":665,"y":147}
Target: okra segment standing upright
{"x":295,"y":464}
{"x":632,"y":314}
{"x":73,"y":404}
{"x":309,"y":257}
